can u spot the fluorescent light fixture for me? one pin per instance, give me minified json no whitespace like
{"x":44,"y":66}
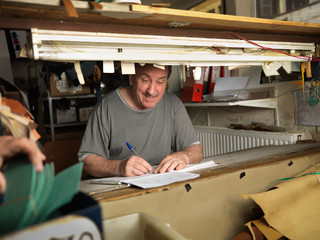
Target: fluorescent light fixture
{"x":81,"y":46}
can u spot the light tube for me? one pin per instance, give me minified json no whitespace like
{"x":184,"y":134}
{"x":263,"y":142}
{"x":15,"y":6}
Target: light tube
{"x":92,"y":46}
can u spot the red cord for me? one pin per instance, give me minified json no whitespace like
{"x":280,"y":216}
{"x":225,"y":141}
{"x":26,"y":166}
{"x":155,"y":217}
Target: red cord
{"x":276,"y":50}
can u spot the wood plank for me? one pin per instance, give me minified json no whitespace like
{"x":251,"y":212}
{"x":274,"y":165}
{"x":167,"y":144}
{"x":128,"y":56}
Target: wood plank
{"x":26,"y":24}
{"x":159,"y":18}
{"x":72,"y":12}
{"x":200,"y":20}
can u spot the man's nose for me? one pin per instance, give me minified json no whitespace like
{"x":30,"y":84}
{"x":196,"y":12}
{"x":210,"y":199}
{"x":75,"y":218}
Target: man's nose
{"x":152,"y":89}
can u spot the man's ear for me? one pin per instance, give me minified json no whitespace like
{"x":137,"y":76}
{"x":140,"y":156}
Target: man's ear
{"x":131,"y":79}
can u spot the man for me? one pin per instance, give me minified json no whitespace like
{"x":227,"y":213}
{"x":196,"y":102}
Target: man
{"x":151,"y":119}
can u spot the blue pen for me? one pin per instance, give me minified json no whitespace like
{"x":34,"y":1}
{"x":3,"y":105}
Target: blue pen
{"x":132,"y":149}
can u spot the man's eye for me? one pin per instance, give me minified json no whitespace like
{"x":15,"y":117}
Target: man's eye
{"x":161,"y":82}
{"x":144,"y":80}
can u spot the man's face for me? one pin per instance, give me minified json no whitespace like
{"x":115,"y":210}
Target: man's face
{"x":148,"y":84}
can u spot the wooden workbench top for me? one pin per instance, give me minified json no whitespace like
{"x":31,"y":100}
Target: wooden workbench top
{"x":227,"y":163}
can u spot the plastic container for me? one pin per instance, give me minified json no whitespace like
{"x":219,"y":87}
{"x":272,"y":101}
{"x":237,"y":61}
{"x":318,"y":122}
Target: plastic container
{"x":138,"y":226}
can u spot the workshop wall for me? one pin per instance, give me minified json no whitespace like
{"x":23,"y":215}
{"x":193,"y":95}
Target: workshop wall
{"x":224,"y":116}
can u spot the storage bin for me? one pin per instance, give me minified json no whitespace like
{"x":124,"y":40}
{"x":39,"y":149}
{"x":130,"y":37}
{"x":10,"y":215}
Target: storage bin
{"x":138,"y":226}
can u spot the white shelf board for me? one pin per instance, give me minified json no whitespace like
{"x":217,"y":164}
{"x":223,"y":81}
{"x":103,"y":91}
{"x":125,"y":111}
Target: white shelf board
{"x":259,"y":103}
{"x":270,"y":103}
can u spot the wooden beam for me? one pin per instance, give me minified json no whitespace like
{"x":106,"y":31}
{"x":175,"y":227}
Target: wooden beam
{"x":27,"y":24}
{"x":211,"y":21}
{"x":158,"y":20}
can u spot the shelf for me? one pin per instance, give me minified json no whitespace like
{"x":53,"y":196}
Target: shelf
{"x":71,"y":96}
{"x":52,"y":125}
{"x":270,"y":103}
{"x":259,"y":103}
{"x":65,"y":124}
{"x":64,"y":135}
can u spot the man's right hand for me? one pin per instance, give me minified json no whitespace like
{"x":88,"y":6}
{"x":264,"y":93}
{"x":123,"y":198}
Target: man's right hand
{"x":134,"y":166}
{"x":98,"y":166}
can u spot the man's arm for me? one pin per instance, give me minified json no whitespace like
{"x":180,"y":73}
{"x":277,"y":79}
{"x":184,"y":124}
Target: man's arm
{"x":179,"y":160}
{"x":98,"y":166}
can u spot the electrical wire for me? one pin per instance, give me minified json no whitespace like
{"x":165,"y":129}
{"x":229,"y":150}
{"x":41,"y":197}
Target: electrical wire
{"x":57,"y":44}
{"x":306,"y":58}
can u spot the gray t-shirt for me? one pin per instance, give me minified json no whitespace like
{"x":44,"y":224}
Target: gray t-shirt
{"x":153,"y":133}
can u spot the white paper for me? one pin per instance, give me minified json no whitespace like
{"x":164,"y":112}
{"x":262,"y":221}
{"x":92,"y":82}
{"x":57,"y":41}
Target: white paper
{"x":227,"y":89}
{"x":271,"y":69}
{"x":151,"y":180}
{"x":157,"y":180}
{"x":198,"y":166}
{"x":108,"y":67}
{"x":127,"y":68}
{"x":230,"y":83}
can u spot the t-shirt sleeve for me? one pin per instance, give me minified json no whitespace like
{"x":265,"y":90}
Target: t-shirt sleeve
{"x":184,"y":134}
{"x":96,"y":136}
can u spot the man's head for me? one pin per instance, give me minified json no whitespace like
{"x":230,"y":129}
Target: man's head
{"x":148,"y":85}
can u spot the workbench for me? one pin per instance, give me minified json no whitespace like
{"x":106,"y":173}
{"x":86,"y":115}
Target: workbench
{"x":210,"y":207}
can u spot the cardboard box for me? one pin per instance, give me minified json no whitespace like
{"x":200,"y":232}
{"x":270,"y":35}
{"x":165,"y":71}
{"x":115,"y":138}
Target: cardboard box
{"x":61,"y":87}
{"x":66,"y":115}
{"x":84,"y":113}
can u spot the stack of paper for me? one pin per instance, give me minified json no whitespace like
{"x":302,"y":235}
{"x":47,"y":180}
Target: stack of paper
{"x":151,"y":180}
{"x":31,"y":196}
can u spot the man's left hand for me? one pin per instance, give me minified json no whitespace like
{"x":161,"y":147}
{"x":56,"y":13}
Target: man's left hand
{"x":175,"y":161}
{"x":179,"y":160}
